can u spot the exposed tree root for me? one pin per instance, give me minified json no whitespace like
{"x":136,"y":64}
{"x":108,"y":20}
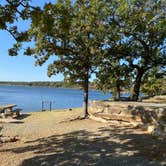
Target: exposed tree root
{"x":97,"y":119}
{"x":75,"y":119}
{"x":6,"y":139}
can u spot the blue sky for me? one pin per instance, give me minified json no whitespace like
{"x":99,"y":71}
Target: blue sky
{"x":21,"y":68}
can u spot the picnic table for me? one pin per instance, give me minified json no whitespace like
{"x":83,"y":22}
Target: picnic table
{"x":7,"y":110}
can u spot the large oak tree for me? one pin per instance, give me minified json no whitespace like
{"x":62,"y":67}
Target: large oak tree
{"x":72,"y":36}
{"x":139,"y":40}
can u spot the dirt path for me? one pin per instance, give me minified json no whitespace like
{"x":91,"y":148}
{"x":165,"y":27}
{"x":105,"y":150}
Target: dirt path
{"x":45,"y":140}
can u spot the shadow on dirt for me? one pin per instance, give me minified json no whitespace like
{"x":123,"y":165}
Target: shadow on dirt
{"x":113,"y":146}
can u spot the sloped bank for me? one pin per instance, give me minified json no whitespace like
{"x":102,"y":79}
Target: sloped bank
{"x":151,"y":116}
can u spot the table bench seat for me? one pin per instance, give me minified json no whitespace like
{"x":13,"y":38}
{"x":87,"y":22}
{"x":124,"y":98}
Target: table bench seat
{"x":8,"y":111}
{"x":13,"y":113}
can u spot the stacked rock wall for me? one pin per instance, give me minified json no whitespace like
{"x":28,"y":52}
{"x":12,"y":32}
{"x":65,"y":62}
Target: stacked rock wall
{"x":148,"y":114}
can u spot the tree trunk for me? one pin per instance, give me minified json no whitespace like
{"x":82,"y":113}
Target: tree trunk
{"x":85,"y":104}
{"x":118,"y":91}
{"x":137,"y":85}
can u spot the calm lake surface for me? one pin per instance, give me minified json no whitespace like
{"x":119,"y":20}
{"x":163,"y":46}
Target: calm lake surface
{"x":30,"y":98}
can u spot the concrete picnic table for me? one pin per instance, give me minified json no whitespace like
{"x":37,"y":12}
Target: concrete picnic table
{"x":8,"y":107}
{"x":8,"y":111}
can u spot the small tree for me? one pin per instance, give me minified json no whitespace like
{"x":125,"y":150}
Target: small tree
{"x":154,"y":82}
{"x":113,"y":77}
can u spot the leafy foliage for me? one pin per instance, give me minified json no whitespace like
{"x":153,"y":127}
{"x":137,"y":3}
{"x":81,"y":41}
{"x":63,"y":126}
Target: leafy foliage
{"x":139,"y":39}
{"x":113,"y":76}
{"x":154,"y":83}
{"x":119,"y":41}
{"x":11,"y":12}
{"x":72,"y":36}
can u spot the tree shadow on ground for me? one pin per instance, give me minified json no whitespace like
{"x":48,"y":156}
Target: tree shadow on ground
{"x":23,"y":116}
{"x":112,"y":146}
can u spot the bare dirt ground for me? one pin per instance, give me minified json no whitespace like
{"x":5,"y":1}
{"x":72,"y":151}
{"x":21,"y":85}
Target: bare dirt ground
{"x":47,"y":139}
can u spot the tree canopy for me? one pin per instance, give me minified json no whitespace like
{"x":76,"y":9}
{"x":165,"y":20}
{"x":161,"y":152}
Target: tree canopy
{"x":154,"y":82}
{"x":12,"y":12}
{"x":121,"y":42}
{"x":71,"y":34}
{"x":139,"y":40}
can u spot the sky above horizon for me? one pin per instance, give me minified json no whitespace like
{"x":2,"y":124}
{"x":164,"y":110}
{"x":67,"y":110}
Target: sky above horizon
{"x":21,"y":67}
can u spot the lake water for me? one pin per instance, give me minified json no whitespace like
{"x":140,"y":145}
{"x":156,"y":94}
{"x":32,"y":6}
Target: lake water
{"x":30,"y":98}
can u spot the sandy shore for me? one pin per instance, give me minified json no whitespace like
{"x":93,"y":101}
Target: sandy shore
{"x":49,"y":139}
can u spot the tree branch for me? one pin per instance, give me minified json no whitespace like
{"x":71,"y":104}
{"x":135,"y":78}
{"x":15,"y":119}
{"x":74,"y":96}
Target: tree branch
{"x":138,"y":39}
{"x":11,"y":34}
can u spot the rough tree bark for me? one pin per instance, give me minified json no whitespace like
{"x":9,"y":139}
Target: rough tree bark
{"x":86,"y":94}
{"x":137,"y":85}
{"x":117,"y":91}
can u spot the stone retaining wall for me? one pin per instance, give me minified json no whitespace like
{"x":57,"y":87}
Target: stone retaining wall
{"x":139,"y":113}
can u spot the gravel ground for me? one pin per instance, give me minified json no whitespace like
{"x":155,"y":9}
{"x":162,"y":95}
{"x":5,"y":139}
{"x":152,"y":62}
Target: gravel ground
{"x":50,"y":139}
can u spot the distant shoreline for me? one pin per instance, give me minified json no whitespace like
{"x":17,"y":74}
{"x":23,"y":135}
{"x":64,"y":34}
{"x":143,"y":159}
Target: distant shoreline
{"x":58,"y":84}
{"x":47,"y":84}
{"x":37,"y":84}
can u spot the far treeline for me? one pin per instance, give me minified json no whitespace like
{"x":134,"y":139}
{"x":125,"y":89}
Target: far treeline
{"x":121,"y":42}
{"x":56,"y":84}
